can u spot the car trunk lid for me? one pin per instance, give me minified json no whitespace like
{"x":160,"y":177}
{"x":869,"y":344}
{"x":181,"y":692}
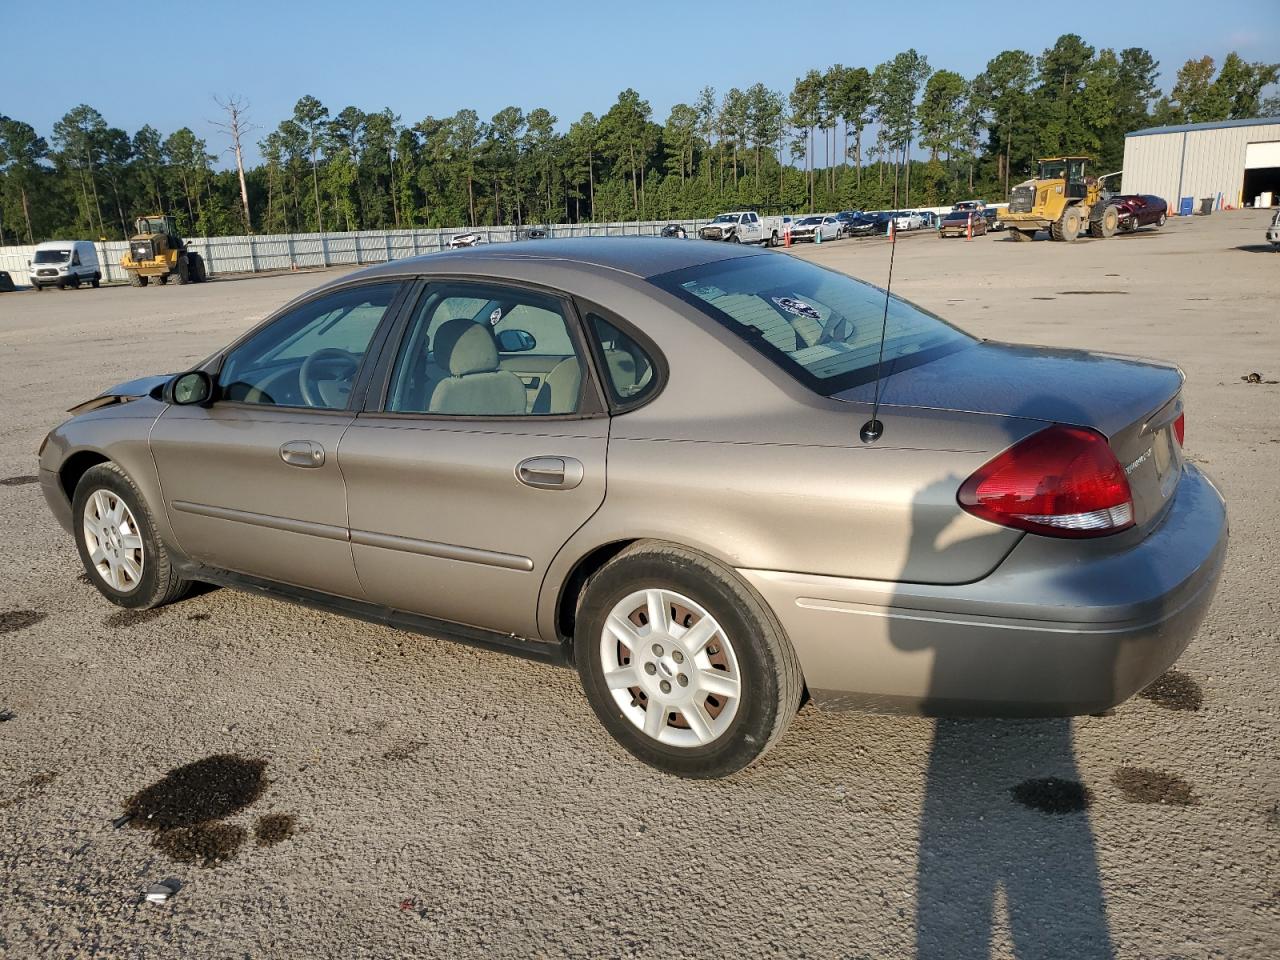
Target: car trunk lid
{"x":1133,"y":402}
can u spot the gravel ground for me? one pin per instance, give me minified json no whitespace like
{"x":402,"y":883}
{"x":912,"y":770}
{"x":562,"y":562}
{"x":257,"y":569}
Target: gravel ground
{"x":457,"y":803}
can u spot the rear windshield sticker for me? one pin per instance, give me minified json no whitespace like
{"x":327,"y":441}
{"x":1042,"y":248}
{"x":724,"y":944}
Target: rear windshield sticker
{"x":495,"y":316}
{"x":797,"y":308}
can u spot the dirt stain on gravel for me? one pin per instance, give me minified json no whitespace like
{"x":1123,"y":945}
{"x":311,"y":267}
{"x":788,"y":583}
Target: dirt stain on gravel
{"x":272,"y":828}
{"x":1174,"y":690}
{"x":18,"y":481}
{"x":25,"y":790}
{"x":186,"y":806}
{"x":1053,"y":795}
{"x":403,"y":751}
{"x":1140,"y":785}
{"x":196,"y":617}
{"x":12,"y":621}
{"x":123,"y":619}
{"x":1093,"y":293}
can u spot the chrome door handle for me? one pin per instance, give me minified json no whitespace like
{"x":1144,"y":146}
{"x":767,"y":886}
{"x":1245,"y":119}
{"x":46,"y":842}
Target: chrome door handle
{"x":302,"y":453}
{"x":550,"y":473}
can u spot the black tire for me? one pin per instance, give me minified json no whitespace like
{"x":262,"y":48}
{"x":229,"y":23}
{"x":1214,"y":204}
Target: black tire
{"x":37,"y":288}
{"x":159,"y":583}
{"x":137,"y":280}
{"x":771,"y":681}
{"x":1106,"y":225}
{"x":773,"y":239}
{"x":734,"y":239}
{"x":1161,"y":221}
{"x":96,"y":282}
{"x":183,"y":274}
{"x":195,"y":264}
{"x":1020,"y":236}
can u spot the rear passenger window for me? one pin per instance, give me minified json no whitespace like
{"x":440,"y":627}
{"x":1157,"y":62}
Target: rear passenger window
{"x":630,"y":373}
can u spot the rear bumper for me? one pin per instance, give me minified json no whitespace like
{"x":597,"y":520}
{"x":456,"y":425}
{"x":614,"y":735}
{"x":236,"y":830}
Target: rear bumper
{"x":1059,"y":628}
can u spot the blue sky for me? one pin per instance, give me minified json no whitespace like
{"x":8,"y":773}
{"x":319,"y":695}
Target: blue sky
{"x":432,"y":58}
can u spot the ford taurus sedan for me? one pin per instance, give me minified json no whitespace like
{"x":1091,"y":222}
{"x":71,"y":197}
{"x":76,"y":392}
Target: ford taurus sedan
{"x":647,"y":459}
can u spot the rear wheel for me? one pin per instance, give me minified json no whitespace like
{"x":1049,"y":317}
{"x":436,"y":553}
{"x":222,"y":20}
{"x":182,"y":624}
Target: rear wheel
{"x":1020,"y":236}
{"x":734,"y":239}
{"x":137,"y":280}
{"x":96,"y":281}
{"x":195,"y":266}
{"x":183,"y":273}
{"x":773,"y":239}
{"x":683,"y":663}
{"x":118,"y":546}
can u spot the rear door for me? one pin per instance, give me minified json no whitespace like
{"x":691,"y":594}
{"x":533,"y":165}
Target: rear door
{"x":463,"y":481}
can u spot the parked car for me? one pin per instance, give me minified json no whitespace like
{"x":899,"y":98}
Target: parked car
{"x":532,"y":233}
{"x":6,"y":282}
{"x":864,"y":225}
{"x":471,"y":239}
{"x":1273,"y":231}
{"x":846,"y":219}
{"x":808,"y":228}
{"x":745,"y":226}
{"x":907,"y":220}
{"x":956,"y":223}
{"x":642,"y":458}
{"x":993,"y":216}
{"x":674,"y":231}
{"x":929,"y":219}
{"x":64,"y":263}
{"x":1139,"y":210}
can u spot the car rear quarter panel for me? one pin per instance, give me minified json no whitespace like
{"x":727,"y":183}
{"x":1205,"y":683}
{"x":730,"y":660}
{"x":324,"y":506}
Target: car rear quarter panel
{"x":739,"y":461}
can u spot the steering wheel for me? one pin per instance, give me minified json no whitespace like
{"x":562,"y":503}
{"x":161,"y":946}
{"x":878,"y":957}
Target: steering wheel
{"x":837,"y":327}
{"x":330,"y":363}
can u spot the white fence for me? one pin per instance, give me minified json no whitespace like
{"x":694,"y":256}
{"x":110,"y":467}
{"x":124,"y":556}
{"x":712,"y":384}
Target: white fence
{"x":256,"y":254}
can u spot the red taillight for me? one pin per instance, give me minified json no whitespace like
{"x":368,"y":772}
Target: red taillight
{"x":1180,"y":428}
{"x":1062,"y":482}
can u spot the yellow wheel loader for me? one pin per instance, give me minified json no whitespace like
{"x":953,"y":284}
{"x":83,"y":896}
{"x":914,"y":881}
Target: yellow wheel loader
{"x":1062,"y":200}
{"x":156,"y":252}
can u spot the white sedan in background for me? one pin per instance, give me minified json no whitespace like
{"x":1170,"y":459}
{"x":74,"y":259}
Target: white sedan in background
{"x":908,"y":220}
{"x":809,"y":228}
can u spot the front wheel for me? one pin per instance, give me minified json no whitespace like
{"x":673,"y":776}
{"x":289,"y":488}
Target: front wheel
{"x":117,"y":542}
{"x":683,"y":663}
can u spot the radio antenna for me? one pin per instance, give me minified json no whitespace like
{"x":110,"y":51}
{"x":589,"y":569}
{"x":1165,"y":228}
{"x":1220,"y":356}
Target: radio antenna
{"x":873,"y":429}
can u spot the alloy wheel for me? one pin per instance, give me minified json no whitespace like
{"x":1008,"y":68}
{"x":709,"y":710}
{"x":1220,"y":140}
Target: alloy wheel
{"x":670,"y":667}
{"x":113,"y":541}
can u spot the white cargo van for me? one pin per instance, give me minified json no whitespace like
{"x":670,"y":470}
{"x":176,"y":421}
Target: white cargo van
{"x":64,"y":263}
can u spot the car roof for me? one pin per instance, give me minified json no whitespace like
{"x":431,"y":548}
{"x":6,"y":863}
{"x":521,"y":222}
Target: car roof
{"x":641,"y":257}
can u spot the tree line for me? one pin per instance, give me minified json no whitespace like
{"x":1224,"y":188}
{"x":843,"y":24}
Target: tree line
{"x":848,"y":137}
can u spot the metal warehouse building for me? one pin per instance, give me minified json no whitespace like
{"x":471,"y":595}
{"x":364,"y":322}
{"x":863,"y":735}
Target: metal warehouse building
{"x":1234,"y":161}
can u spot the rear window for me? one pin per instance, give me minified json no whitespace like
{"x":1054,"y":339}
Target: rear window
{"x":820,"y":326}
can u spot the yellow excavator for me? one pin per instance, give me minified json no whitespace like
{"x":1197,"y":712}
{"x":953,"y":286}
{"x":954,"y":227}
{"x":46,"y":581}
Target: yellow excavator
{"x":156,"y":252}
{"x":1063,"y":200}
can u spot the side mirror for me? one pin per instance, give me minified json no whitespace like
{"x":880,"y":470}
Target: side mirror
{"x":515,"y":341}
{"x":189,"y":389}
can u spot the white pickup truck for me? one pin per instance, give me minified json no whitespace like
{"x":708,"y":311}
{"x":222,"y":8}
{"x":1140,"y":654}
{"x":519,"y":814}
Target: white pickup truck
{"x":744,"y":226}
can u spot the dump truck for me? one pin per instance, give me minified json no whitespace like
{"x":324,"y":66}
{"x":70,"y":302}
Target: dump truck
{"x":1063,"y":200}
{"x":156,"y":252}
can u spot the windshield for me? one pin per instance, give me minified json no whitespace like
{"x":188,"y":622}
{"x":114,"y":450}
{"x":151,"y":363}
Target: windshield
{"x":53,"y":256}
{"x":726,"y":218}
{"x":1053,"y":170}
{"x":820,"y":326}
{"x":810,"y":221}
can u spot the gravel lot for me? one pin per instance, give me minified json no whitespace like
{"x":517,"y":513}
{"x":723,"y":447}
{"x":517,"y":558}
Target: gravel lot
{"x":457,"y":803}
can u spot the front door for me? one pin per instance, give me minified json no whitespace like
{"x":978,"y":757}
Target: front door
{"x":251,"y":483}
{"x":477,"y":460}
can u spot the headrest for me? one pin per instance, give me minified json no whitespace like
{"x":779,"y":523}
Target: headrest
{"x":463,"y":346}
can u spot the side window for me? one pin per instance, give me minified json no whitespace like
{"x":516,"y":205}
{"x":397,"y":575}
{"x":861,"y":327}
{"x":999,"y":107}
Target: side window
{"x":630,"y":372}
{"x":308,"y":357}
{"x":753,"y":218}
{"x":473,"y":349}
{"x":75,"y":259}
